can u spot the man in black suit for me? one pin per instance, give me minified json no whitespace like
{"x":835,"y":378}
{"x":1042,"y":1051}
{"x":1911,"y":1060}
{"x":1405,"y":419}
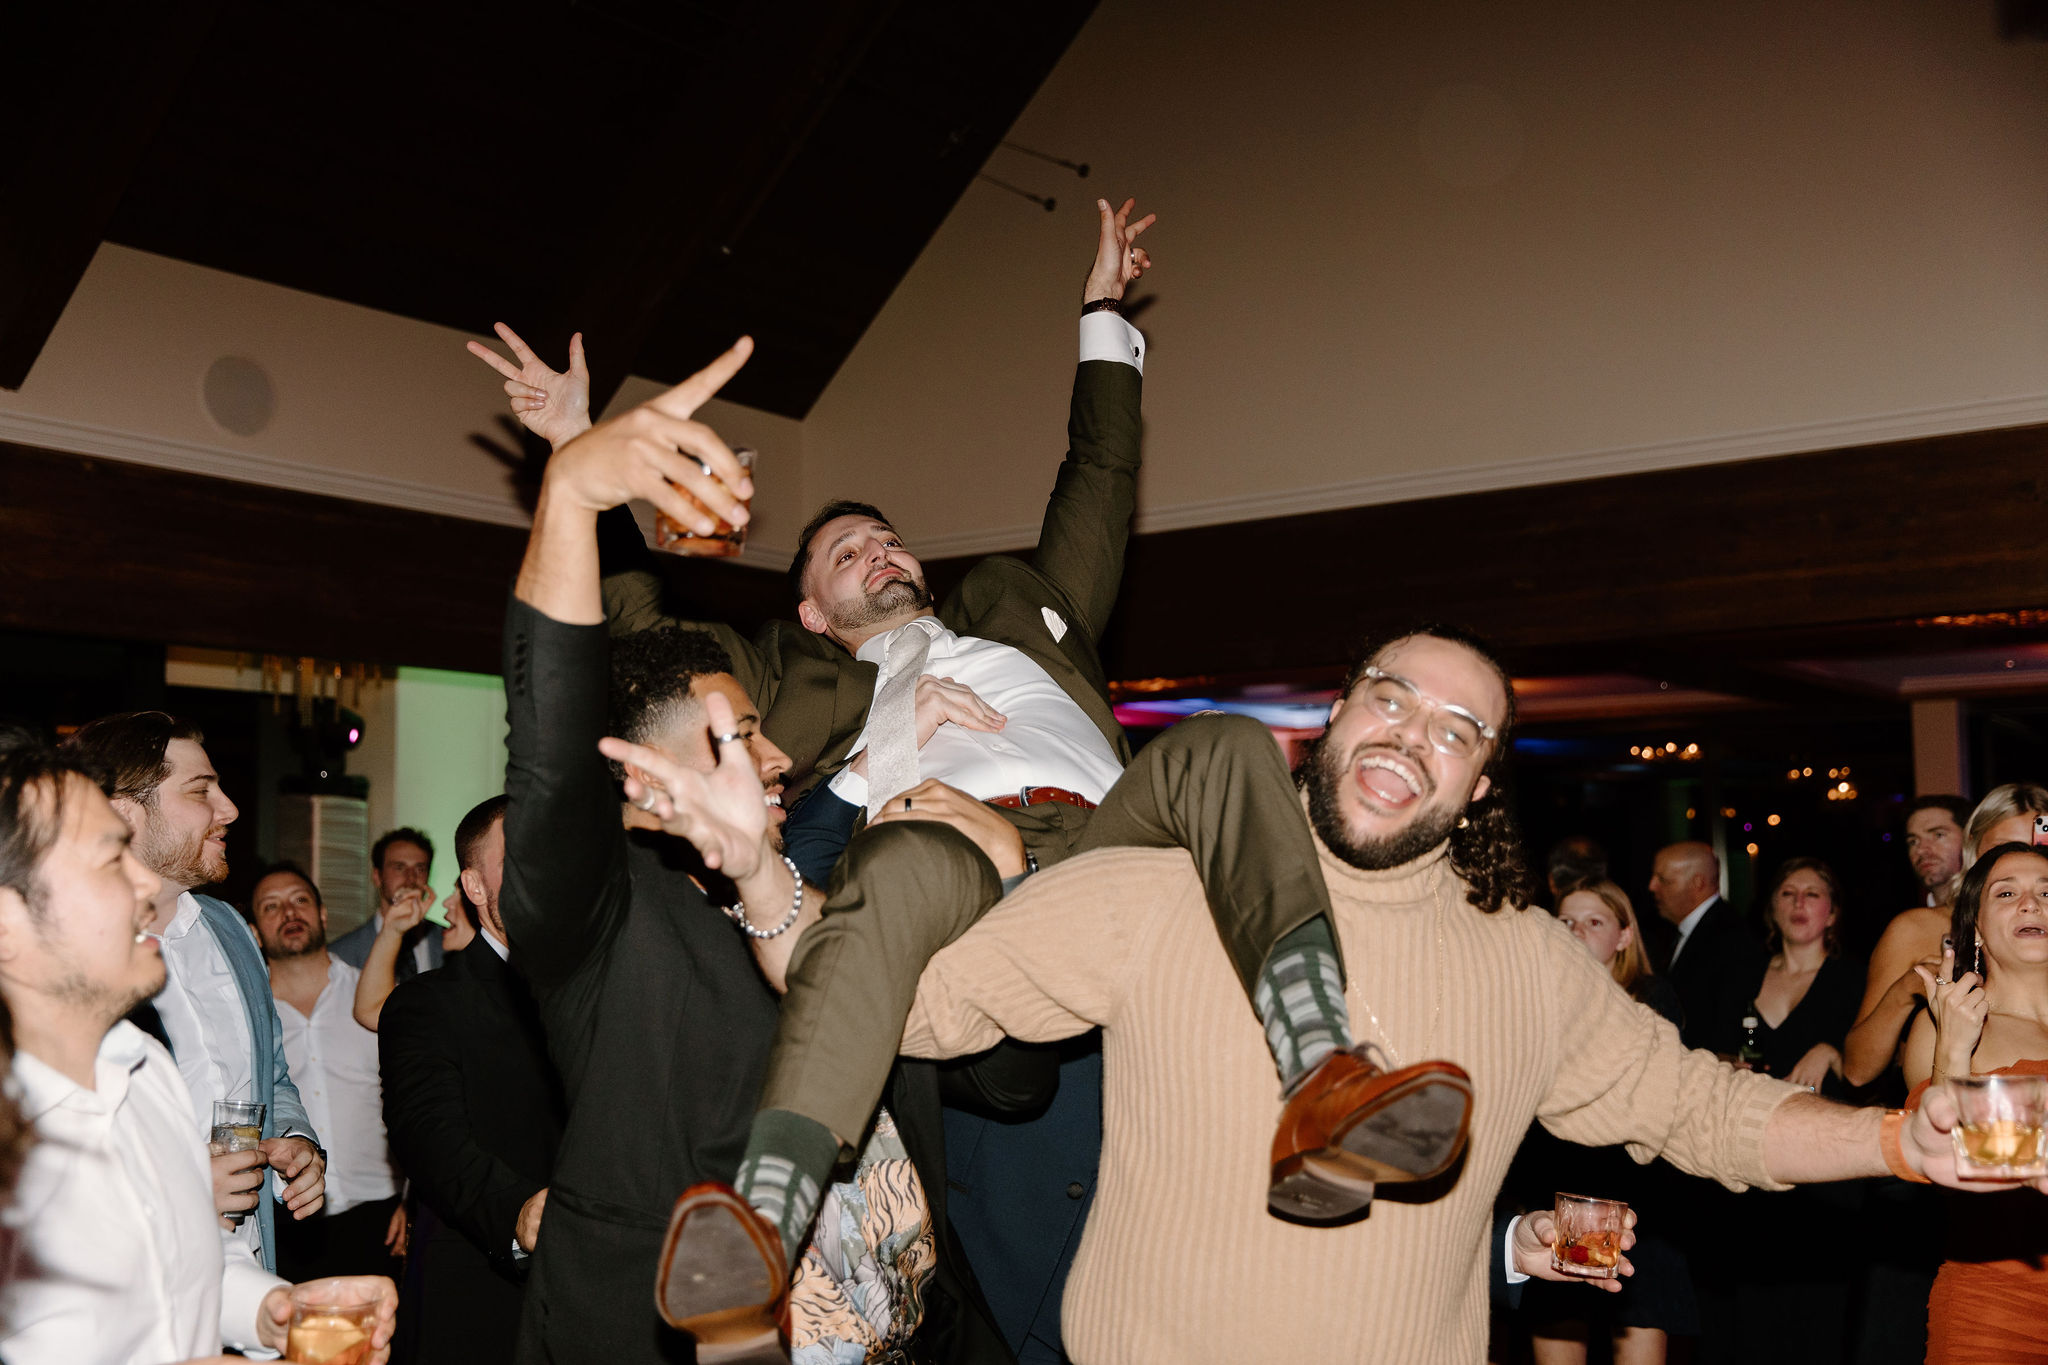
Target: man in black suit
{"x":474,"y":1114}
{"x":1715,"y":946}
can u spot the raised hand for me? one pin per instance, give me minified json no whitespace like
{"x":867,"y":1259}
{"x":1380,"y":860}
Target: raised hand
{"x":408,"y":908}
{"x":656,"y":452}
{"x":1958,"y":1009}
{"x":552,"y":405}
{"x":723,"y":812}
{"x":1118,"y":260}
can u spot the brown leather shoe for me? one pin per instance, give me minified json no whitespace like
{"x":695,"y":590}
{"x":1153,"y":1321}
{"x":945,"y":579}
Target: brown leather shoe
{"x":722,"y":1278}
{"x":1349,"y":1125}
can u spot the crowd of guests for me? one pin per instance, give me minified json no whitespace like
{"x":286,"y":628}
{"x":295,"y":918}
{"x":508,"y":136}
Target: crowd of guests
{"x":855,"y":991}
{"x":1875,"y":1271}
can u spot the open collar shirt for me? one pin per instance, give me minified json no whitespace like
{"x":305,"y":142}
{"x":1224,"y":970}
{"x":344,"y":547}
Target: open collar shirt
{"x":333,"y":1061}
{"x":1690,"y":923}
{"x":1047,"y":740}
{"x":122,"y":1259}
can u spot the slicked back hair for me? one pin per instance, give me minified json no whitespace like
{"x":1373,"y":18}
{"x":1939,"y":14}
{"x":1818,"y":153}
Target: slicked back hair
{"x":1487,"y":850}
{"x":127,"y":751}
{"x":838,"y":507}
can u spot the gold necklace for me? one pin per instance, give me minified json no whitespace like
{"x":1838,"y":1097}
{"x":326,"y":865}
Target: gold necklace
{"x":1436,"y":1010}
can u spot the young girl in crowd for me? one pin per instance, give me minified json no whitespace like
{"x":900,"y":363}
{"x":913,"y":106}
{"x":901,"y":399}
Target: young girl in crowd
{"x":1990,"y":1300}
{"x":1657,"y":1303}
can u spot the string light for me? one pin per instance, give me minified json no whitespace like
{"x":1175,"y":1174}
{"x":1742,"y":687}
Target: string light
{"x":1770,"y":819}
{"x":1752,"y":850}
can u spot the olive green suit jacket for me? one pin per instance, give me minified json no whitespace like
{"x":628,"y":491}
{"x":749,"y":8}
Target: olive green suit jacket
{"x":814,"y":696}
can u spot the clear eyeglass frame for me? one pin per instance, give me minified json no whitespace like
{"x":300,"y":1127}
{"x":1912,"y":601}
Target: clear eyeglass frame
{"x":1453,"y":731}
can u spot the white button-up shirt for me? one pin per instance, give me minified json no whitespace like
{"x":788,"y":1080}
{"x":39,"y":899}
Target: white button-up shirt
{"x":1047,"y":740}
{"x":208,"y":1025}
{"x":124,"y":1262}
{"x":333,"y":1061}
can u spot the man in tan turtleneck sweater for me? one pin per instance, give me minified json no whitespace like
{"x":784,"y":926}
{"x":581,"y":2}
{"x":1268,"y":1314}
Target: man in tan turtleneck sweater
{"x":1180,"y":1260}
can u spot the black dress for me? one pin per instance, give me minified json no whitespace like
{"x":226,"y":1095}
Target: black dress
{"x":1660,"y":1293}
{"x":1774,"y":1270}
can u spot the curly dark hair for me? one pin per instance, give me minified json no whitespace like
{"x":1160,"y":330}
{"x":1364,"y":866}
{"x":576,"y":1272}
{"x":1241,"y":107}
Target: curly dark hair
{"x":1486,"y":847}
{"x":1969,"y":906}
{"x":651,"y":675}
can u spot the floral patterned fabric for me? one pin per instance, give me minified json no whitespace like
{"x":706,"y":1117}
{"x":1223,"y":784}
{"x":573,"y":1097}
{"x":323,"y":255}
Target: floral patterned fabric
{"x":860,"y":1287}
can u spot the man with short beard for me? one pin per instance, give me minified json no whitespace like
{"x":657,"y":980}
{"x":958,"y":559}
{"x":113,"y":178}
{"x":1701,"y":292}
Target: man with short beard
{"x":1426,"y":876}
{"x":115,"y":1251}
{"x":215,"y":1012}
{"x":361,"y":1230}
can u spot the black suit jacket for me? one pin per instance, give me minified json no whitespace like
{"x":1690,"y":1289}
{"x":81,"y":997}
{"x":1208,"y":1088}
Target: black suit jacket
{"x":657,"y":1020}
{"x":1721,"y":949}
{"x":475,"y":1114}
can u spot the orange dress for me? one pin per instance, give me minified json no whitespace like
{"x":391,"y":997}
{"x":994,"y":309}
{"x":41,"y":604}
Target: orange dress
{"x":1990,"y":1299}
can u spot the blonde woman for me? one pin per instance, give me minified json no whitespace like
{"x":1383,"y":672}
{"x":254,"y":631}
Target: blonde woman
{"x":1657,"y":1302}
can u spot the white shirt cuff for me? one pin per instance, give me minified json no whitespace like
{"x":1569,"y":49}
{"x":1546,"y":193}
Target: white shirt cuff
{"x":1508,"y":1249}
{"x":1105,"y":336}
{"x":243,"y":1286}
{"x":850,"y":787}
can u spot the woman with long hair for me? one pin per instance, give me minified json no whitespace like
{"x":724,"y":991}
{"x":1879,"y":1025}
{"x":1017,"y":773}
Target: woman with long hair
{"x":1990,"y":1299}
{"x":1789,"y":1017}
{"x":1657,"y":1303}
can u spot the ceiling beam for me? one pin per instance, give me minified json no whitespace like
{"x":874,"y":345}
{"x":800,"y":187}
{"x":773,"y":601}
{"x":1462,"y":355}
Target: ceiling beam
{"x":737,"y":126}
{"x":91,"y":90}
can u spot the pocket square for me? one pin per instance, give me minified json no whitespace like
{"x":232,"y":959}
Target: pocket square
{"x":1055,"y":623}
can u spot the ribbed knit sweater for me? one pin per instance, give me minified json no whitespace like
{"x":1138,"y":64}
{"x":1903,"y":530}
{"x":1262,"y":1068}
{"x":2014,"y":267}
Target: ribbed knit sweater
{"x":1180,"y":1260}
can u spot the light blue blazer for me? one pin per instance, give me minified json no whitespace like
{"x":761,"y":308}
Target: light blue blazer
{"x":284,"y":1114}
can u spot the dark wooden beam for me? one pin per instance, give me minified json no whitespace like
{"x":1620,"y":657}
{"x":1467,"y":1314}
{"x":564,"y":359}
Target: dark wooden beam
{"x":92,"y":86}
{"x":735,"y":129}
{"x":1868,"y":540}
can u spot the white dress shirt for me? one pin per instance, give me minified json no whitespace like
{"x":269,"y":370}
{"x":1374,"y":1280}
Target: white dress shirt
{"x":1688,"y":924}
{"x":1047,"y":740}
{"x":504,"y":953}
{"x":333,"y":1061}
{"x":123,"y":1261}
{"x":208,"y":1025}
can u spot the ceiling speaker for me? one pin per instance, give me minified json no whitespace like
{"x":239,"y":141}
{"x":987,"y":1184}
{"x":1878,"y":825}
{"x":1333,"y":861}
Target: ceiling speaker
{"x":238,"y":395}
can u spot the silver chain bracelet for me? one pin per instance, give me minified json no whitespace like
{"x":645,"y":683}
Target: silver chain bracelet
{"x":738,"y":909}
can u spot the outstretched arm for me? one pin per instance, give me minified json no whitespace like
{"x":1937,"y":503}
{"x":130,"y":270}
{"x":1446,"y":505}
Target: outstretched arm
{"x":1088,"y":521}
{"x":379,"y":976}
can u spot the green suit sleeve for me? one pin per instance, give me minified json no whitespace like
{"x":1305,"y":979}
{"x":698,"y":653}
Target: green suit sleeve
{"x":632,"y":590}
{"x":1088,"y":520}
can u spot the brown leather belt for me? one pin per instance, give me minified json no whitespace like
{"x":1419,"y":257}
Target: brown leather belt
{"x":1031,"y":796}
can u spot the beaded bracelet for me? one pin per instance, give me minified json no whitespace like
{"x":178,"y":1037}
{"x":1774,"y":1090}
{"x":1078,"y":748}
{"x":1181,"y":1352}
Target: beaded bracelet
{"x":738,"y":910}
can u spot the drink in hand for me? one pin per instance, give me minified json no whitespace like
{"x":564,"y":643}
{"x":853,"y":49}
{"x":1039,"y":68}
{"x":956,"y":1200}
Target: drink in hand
{"x":328,"y":1338}
{"x":236,"y":1137}
{"x":1589,"y":1235}
{"x":724,"y":540}
{"x":1998,"y":1132}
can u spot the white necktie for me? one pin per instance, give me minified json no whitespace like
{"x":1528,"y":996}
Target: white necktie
{"x":892,"y":717}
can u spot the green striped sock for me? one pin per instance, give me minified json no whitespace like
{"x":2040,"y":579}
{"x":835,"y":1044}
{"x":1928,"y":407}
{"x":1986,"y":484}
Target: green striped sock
{"x":1300,"y":999}
{"x":789,"y":1158}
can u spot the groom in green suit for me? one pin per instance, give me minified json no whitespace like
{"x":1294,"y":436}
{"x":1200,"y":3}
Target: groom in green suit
{"x":981,"y":729}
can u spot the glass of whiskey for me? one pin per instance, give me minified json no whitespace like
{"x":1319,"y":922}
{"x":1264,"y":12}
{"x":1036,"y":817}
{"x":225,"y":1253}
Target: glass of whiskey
{"x":1998,"y":1126}
{"x":724,"y":541}
{"x":331,"y":1324}
{"x":1589,"y":1233}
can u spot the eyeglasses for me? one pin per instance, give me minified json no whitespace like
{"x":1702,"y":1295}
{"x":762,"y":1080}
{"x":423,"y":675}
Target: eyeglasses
{"x":1452,"y":730}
